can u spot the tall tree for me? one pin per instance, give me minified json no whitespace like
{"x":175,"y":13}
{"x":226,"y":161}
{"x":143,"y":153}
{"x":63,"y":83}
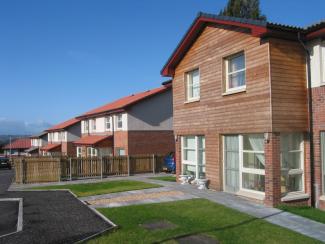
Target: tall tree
{"x":249,"y":9}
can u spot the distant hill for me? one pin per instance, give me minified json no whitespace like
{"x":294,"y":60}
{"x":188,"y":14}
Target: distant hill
{"x":17,"y":127}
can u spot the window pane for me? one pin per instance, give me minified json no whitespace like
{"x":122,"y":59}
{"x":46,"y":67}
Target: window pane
{"x":291,"y":160}
{"x":189,"y":170}
{"x":236,"y":63}
{"x":236,"y":79}
{"x":291,"y":142}
{"x":254,"y":182}
{"x":253,"y":142}
{"x":201,"y":152}
{"x":201,"y":172}
{"x":189,"y":155}
{"x":193,"y":84}
{"x":254,"y":160}
{"x":291,"y":183}
{"x":189,"y":142}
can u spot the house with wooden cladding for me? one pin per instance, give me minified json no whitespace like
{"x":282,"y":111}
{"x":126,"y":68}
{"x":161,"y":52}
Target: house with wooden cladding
{"x":60,"y":138}
{"x":242,"y":109}
{"x":134,"y":125}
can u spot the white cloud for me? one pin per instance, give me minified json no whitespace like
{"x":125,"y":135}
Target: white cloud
{"x":19,"y":127}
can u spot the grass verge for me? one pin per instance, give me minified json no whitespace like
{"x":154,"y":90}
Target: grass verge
{"x":305,"y":211}
{"x":197,"y":216}
{"x":90,"y":189}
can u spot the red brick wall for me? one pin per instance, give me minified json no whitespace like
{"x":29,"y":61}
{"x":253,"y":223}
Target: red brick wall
{"x":121,"y":141}
{"x":68,"y":148}
{"x":272,"y":170}
{"x":319,"y":125}
{"x":150,"y":142}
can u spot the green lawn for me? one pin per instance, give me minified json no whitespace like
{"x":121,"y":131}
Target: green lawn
{"x":193,"y":217}
{"x":90,"y":189}
{"x":165,"y":178}
{"x":305,"y":211}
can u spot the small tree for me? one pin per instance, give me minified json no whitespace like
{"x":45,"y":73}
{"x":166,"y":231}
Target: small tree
{"x":249,"y":9}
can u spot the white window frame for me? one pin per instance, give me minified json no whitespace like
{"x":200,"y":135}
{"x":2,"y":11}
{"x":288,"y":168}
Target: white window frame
{"x":197,"y":149}
{"x":119,"y":151}
{"x":248,"y":170}
{"x":86,"y":126}
{"x":300,"y":171}
{"x":92,"y":152}
{"x":118,"y":117}
{"x":322,"y":62}
{"x":93,"y":125}
{"x":188,"y":76}
{"x":227,"y":73}
{"x":108,"y":122}
{"x":79,"y":152}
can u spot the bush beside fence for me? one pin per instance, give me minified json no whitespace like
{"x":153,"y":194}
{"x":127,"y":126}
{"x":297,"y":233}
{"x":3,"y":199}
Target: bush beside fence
{"x":54,"y":169}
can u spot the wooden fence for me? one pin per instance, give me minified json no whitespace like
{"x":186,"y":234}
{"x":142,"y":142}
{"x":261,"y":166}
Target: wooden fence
{"x":54,"y":169}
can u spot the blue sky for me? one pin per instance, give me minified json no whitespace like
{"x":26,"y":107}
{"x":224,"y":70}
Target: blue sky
{"x":61,"y":58}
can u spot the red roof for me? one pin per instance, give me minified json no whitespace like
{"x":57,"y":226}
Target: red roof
{"x":64,"y":125}
{"x":91,"y":140}
{"x":124,"y":102}
{"x":50,"y":147}
{"x":22,"y":143}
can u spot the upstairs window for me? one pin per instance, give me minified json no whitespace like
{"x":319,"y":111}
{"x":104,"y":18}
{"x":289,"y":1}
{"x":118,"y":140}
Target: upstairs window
{"x":235,"y":72}
{"x":108,"y":123}
{"x":93,"y":124}
{"x":193,"y":85}
{"x":119,"y":121}
{"x":86,"y":126}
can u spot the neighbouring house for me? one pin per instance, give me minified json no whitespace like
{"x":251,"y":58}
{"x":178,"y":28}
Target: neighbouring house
{"x":17,"y":147}
{"x":241,"y":108}
{"x":37,"y":142}
{"x":137,"y":124}
{"x":60,"y":138}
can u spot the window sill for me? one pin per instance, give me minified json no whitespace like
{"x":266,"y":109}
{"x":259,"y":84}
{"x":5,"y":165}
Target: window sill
{"x":249,"y":194}
{"x":192,"y":101}
{"x":322,"y":198}
{"x":294,"y":196}
{"x":243,"y":89}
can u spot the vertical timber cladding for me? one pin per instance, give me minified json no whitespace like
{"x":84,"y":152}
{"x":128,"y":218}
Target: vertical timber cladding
{"x":217,"y":114}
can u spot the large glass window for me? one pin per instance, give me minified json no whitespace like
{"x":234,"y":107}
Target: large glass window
{"x":235,"y":72}
{"x":79,"y":152}
{"x":253,"y":163}
{"x":193,"y":156}
{"x":91,"y":152}
{"x":86,"y":126}
{"x":193,"y":85}
{"x":292,"y":168}
{"x":93,"y":124}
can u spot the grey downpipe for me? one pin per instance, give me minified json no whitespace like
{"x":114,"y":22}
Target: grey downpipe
{"x":311,"y":123}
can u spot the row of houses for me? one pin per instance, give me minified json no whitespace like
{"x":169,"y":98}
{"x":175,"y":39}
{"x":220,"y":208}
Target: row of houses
{"x":134,"y":125}
{"x":248,"y":103}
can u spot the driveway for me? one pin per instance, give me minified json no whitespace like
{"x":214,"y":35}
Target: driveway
{"x":51,"y":216}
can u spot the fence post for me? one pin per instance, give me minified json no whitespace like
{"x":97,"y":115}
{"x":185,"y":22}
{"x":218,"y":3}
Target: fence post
{"x":153,"y":163}
{"x":128,"y":159}
{"x":59,"y":169}
{"x":101,"y":167}
{"x":70,"y":169}
{"x":21,"y":171}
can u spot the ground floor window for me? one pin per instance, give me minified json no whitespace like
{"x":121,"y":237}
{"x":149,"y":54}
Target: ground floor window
{"x":91,"y":152}
{"x":292,"y":163}
{"x":120,"y":152}
{"x":79,"y":152}
{"x":322,"y":139}
{"x":244,"y":163}
{"x":193,"y":156}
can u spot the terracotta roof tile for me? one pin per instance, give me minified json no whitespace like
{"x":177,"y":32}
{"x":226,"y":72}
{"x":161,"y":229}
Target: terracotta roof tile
{"x":50,"y":147}
{"x":22,"y":143}
{"x":91,"y":140}
{"x":63,"y":125}
{"x":122,"y":103}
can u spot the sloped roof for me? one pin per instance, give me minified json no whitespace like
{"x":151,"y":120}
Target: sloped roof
{"x":39,"y":135}
{"x":124,"y":102}
{"x":257,"y":28}
{"x":63,"y":125}
{"x":91,"y":140}
{"x":22,"y":143}
{"x":50,"y":147}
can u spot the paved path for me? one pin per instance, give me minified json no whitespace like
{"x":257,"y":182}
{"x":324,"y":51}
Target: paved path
{"x":152,"y":195}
